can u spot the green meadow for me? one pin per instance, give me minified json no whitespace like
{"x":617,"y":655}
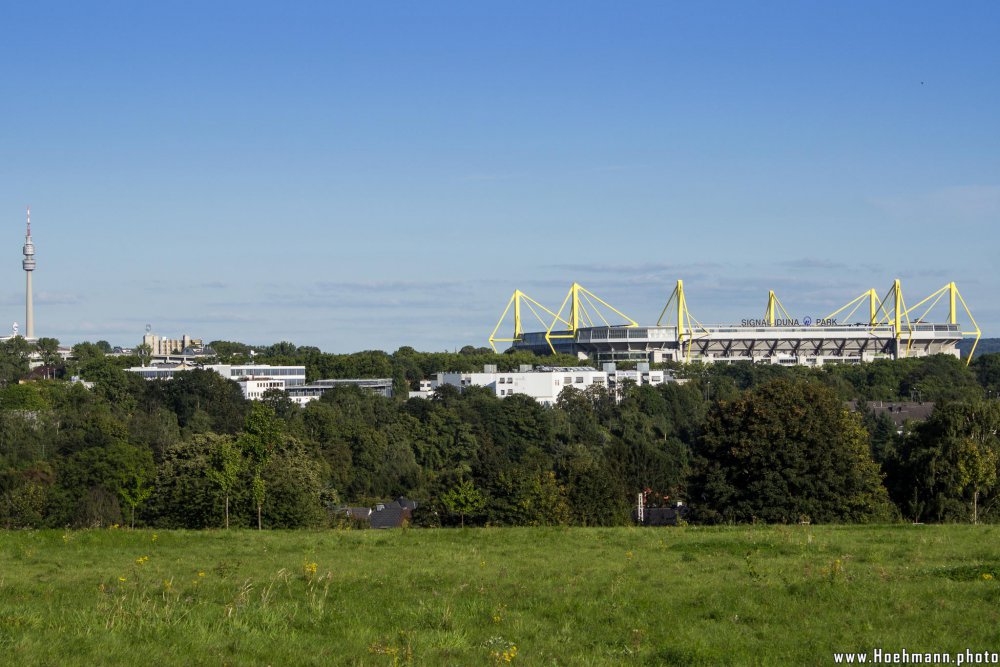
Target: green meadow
{"x":766,"y":595}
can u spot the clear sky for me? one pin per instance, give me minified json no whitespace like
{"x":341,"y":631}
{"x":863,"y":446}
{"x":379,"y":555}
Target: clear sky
{"x":371,"y":175}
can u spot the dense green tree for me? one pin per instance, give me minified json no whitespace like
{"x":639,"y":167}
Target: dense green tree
{"x":528,"y":497}
{"x":24,"y":494}
{"x":118,"y":387}
{"x":197,"y":395}
{"x":786,"y":452}
{"x":155,"y":428}
{"x":938,"y":378}
{"x":295,"y":488}
{"x":22,"y":397}
{"x":594,"y":493}
{"x":92,"y":481}
{"x":14,"y":353}
{"x":48,"y":351}
{"x":184,"y":495}
{"x":84,"y":352}
{"x":948,"y":465}
{"x":987,"y":370}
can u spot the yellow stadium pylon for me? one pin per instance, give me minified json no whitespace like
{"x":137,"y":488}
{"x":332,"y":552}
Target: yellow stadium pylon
{"x":578,"y":298}
{"x":518,"y":299}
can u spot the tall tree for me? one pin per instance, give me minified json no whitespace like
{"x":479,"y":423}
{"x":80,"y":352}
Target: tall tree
{"x":261,"y":434}
{"x":48,"y":350}
{"x":225,"y":465}
{"x":785,"y":452}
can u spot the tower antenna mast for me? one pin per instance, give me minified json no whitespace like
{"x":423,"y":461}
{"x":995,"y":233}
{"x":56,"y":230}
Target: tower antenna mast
{"x":29,"y":266}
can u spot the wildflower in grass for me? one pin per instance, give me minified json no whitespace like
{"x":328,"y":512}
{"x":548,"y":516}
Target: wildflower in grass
{"x":309,"y":569}
{"x":629,"y":555}
{"x":141,"y":560}
{"x":122,"y":579}
{"x":201,"y":574}
{"x":153,"y":538}
{"x":502,"y":652}
{"x":987,"y":576}
{"x":482,"y":563}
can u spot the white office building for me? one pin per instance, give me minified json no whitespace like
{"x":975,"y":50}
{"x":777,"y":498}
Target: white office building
{"x":291,"y":375}
{"x":642,"y":375}
{"x":254,"y":379}
{"x":255,"y":388}
{"x":304,"y":393}
{"x":542,"y":383}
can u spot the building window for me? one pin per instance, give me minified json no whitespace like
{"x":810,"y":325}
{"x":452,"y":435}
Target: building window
{"x":579,"y":380}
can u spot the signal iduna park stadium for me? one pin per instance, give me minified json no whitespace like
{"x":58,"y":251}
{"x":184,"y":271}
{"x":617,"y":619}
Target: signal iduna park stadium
{"x":867,"y":328}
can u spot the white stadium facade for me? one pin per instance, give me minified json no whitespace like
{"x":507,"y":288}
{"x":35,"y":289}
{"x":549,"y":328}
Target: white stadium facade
{"x":868,"y":328}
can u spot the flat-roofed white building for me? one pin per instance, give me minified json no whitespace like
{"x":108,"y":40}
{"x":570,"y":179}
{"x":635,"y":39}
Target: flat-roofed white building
{"x":642,"y":375}
{"x":254,"y":379}
{"x":292,"y":375}
{"x":254,"y":388}
{"x":542,"y":383}
{"x":160,"y":371}
{"x":304,"y":393}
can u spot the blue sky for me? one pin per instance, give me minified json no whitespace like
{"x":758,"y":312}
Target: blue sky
{"x":359,"y":176}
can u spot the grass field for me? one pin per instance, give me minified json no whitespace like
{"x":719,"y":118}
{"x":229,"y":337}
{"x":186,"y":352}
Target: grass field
{"x":523,"y":596}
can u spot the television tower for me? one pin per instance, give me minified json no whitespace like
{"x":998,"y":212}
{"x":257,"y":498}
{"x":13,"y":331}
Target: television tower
{"x":29,"y":266}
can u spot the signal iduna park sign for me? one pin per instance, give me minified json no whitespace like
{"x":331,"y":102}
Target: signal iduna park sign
{"x":806,"y":322}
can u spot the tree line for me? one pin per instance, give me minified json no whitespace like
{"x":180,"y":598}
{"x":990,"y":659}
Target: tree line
{"x":736,"y":443}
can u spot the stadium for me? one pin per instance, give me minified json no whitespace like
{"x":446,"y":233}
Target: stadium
{"x":867,"y":328}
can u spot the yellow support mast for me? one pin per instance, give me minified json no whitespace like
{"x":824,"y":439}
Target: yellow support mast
{"x":516,"y":301}
{"x":685,"y":323}
{"x":578,"y":298}
{"x":897,"y":315}
{"x":954,"y":298}
{"x":773,"y":306}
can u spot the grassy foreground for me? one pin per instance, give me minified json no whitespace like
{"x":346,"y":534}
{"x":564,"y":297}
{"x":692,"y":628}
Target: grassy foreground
{"x":531,"y":596}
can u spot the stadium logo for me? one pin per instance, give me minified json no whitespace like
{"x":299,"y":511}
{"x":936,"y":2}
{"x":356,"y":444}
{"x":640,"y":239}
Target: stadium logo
{"x":779,"y":322}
